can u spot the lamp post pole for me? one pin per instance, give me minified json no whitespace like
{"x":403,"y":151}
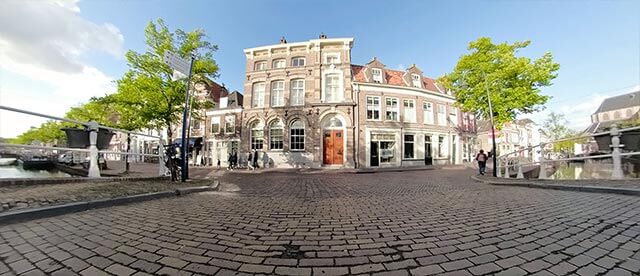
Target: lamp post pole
{"x":493,"y":130}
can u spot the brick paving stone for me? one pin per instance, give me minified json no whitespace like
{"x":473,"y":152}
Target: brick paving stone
{"x":174,"y":272}
{"x":21,"y":266}
{"x":100,"y":262}
{"x":510,"y":262}
{"x":172,"y":262}
{"x":618,"y":272}
{"x":432,"y":260}
{"x":329,"y":271}
{"x":581,"y":260}
{"x":484,"y":269}
{"x":562,"y":268}
{"x":48,"y":265}
{"x":514,"y":271}
{"x":253,"y":268}
{"x":146,"y":266}
{"x":456,"y":265}
{"x":118,"y":269}
{"x":293,"y":271}
{"x":64,"y":272}
{"x":535,"y":266}
{"x":368,"y":268}
{"x":75,"y":264}
{"x":350,"y":261}
{"x":400,"y":264}
{"x":631,"y":265}
{"x":201,"y":268}
{"x":93,"y":271}
{"x":427,"y":270}
{"x":483,"y":259}
{"x":392,"y":273}
{"x":590,"y":270}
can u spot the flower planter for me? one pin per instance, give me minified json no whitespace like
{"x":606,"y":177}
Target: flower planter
{"x":630,"y":140}
{"x":79,"y":138}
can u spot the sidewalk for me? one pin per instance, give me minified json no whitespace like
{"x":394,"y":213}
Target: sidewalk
{"x":622,"y":186}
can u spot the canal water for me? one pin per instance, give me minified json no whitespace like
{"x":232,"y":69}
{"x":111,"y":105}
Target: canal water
{"x":593,"y":170}
{"x":18,"y":172}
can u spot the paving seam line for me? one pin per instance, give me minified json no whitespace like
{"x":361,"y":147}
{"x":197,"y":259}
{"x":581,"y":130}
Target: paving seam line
{"x":56,"y":210}
{"x":588,"y":189}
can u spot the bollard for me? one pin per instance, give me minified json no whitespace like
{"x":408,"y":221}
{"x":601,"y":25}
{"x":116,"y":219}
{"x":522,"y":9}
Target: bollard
{"x":162,"y":168}
{"x":498,"y":174}
{"x":520,"y":174}
{"x":617,"y":159}
{"x":543,"y":168}
{"x":94,"y":170}
{"x":506,"y":168}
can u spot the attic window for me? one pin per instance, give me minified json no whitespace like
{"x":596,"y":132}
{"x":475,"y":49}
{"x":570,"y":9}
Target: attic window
{"x":415,"y":80}
{"x":377,"y":75}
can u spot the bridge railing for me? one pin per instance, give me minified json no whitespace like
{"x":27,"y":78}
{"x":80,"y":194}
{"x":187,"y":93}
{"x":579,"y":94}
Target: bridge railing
{"x":92,"y":150}
{"x":516,"y":160}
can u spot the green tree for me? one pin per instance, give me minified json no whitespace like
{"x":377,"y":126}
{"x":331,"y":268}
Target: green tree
{"x":47,"y":132}
{"x":556,"y":127}
{"x":514,"y":83}
{"x":147,"y":89}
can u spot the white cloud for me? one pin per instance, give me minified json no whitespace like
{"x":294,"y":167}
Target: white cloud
{"x":46,"y":52}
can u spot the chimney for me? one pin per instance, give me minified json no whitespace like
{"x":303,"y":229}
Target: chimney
{"x":283,"y":41}
{"x":323,"y":36}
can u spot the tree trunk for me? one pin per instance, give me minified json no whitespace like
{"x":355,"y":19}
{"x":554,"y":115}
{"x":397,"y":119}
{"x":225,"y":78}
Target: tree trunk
{"x":169,"y":134}
{"x":126,"y":157}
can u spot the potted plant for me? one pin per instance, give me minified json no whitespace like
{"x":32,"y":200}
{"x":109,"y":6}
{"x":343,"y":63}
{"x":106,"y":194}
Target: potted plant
{"x":79,"y":138}
{"x":630,"y":139}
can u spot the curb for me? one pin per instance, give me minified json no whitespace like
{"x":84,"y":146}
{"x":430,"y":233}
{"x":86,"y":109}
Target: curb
{"x":56,"y":210}
{"x":574,"y":188}
{"x":400,"y":169}
{"x":63,"y":180}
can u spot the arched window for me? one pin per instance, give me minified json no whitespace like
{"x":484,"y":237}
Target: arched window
{"x":605,"y":117}
{"x":276,"y":135}
{"x":616,"y":115}
{"x":628,"y":113}
{"x":296,"y":137}
{"x":257,"y":135}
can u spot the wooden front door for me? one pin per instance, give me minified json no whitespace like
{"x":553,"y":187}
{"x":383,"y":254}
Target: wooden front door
{"x":333,"y":147}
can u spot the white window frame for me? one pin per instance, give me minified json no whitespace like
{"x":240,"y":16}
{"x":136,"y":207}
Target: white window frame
{"x":339,"y":95}
{"x":260,"y":65}
{"x":416,"y":80}
{"x":409,"y":112}
{"x":278,"y":126}
{"x":372,"y":106}
{"x":389,"y":109}
{"x":442,"y":116}
{"x":277,"y":93}
{"x":294,"y":132}
{"x":293,"y":62}
{"x":404,"y":146}
{"x":215,"y":121}
{"x":332,"y":55}
{"x":427,"y":113}
{"x":279,"y":63}
{"x":258,"y":127}
{"x":257,"y":94}
{"x":296,"y":92}
{"x":230,"y":121}
{"x":453,"y":116}
{"x":377,"y":78}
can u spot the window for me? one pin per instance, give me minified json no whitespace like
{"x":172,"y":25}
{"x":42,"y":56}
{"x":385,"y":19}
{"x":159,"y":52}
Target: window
{"x":409,"y":110}
{"x":279,"y":63}
{"x":442,"y":147}
{"x":260,"y":65}
{"x":628,"y":113}
{"x":215,"y":124}
{"x":605,"y":117}
{"x":408,"y":146}
{"x":392,"y":109}
{"x":258,"y":94}
{"x":332,"y":58}
{"x":453,"y":116}
{"x":257,"y":136}
{"x":277,"y":93}
{"x":415,"y":80}
{"x":427,"y":112}
{"x":373,"y":108}
{"x":442,"y":116}
{"x":616,"y":115}
{"x":297,"y":92}
{"x":296,"y":135}
{"x":332,"y":88}
{"x":377,"y":75}
{"x":230,"y":124}
{"x":297,"y":62}
{"x":276,"y":135}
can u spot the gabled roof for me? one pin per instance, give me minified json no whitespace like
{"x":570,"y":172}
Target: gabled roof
{"x":620,"y":102}
{"x":395,"y":77}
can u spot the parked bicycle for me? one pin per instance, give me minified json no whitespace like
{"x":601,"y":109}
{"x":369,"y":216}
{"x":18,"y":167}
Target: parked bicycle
{"x":173,"y":161}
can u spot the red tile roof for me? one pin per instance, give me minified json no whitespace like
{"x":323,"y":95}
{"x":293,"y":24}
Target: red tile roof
{"x":395,"y":77}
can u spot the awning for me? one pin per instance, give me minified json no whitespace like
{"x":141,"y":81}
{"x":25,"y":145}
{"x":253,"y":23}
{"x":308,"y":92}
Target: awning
{"x":193,"y":142}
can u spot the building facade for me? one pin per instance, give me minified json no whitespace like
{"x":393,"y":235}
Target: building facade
{"x":307,"y":105}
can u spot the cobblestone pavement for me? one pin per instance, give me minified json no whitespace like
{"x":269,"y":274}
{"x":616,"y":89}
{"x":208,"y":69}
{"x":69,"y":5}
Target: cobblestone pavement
{"x":419,"y":223}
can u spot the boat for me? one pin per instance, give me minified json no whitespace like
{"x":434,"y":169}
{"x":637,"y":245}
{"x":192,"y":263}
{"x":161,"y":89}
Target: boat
{"x":36,"y":163}
{"x":7,"y":161}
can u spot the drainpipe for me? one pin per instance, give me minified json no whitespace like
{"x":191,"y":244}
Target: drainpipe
{"x":356,"y":134}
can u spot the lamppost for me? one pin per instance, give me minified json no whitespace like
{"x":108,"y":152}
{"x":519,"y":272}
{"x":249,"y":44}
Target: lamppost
{"x":493,"y":129}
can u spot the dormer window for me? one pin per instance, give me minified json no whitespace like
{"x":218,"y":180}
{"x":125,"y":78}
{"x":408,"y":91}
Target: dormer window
{"x":377,"y":75}
{"x":415,"y":80}
{"x":260,"y":65}
{"x":279,"y":63}
{"x":297,"y":62}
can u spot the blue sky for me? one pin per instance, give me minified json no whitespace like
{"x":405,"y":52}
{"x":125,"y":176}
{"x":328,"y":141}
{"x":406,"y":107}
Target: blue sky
{"x":597,"y":43}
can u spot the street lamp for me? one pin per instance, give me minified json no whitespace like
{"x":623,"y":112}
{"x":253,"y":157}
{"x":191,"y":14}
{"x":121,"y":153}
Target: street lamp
{"x":493,"y":129}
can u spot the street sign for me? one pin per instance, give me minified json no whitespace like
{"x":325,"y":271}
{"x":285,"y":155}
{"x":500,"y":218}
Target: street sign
{"x":177,"y":63}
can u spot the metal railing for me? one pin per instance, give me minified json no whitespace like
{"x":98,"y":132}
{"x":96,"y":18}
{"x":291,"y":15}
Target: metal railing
{"x":511,"y":160}
{"x":93,"y":151}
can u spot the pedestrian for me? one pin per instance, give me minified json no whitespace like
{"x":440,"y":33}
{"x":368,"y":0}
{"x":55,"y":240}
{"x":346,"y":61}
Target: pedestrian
{"x":234,"y":160}
{"x":230,"y":162}
{"x":255,"y":159}
{"x":218,"y":163}
{"x":481,"y":157}
{"x":250,"y":160}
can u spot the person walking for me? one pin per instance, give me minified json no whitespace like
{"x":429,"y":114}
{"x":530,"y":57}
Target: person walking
{"x":255,"y":160}
{"x":481,"y":157}
{"x":230,"y":162}
{"x":235,"y":160}
{"x":250,"y":160}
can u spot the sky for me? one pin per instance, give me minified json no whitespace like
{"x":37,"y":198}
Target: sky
{"x":69,"y":50}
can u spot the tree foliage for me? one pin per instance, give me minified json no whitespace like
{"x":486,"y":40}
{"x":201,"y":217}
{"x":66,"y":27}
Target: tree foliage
{"x":556,"y":128}
{"x":147,"y":89}
{"x":513,"y":83}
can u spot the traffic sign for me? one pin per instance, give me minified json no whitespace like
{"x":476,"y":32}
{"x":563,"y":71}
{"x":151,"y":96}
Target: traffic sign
{"x":177,"y":63}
